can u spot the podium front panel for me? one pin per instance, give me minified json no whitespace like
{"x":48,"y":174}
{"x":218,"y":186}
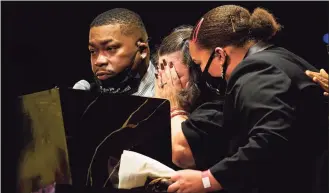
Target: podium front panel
{"x":100,"y":127}
{"x":75,"y":138}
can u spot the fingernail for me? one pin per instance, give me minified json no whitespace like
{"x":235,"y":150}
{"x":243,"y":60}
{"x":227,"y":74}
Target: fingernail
{"x":171,"y":65}
{"x":164,"y":62}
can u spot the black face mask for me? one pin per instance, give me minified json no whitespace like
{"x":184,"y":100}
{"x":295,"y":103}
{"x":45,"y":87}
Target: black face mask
{"x":216,"y":85}
{"x":125,"y":82}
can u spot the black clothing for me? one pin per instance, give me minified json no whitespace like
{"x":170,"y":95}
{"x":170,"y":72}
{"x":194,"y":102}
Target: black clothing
{"x":276,"y":120}
{"x":202,"y":130}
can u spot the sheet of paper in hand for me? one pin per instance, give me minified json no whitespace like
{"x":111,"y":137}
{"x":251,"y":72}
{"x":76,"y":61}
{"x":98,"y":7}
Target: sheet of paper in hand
{"x":135,"y":168}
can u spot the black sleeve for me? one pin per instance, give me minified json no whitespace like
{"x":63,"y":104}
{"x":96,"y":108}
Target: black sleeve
{"x":263,"y":103}
{"x":202,"y":130}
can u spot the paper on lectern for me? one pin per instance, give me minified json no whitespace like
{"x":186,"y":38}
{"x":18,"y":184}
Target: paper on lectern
{"x":135,"y":168}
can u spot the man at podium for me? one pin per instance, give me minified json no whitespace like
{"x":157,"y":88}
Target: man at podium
{"x":120,"y":61}
{"x":120,"y":55}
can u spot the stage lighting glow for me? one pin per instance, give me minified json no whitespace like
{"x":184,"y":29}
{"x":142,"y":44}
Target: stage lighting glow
{"x":325,"y":38}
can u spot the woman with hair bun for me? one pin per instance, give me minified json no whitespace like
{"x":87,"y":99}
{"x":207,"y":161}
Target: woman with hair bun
{"x":275,"y":117}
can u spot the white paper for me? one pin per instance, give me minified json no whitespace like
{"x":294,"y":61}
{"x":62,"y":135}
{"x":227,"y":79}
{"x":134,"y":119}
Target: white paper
{"x":135,"y":168}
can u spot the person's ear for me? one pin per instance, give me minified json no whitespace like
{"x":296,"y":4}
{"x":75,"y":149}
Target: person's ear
{"x":142,"y":46}
{"x":220,"y":54}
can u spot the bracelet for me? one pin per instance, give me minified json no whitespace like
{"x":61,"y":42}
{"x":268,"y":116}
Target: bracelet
{"x":178,"y":113}
{"x":205,"y":180}
{"x":176,"y":108}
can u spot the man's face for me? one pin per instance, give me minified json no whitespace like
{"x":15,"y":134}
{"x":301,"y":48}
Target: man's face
{"x":182,"y":69}
{"x":111,"y":51}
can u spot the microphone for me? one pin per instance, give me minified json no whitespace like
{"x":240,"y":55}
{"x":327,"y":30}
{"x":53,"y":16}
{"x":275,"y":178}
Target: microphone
{"x":82,"y":85}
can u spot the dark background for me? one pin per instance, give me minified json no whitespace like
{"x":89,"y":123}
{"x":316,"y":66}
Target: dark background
{"x":45,"y":43}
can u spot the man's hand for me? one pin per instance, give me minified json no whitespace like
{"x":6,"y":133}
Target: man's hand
{"x":320,"y":78}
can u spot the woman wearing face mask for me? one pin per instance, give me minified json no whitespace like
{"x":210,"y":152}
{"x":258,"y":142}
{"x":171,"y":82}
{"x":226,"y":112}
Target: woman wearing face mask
{"x":275,"y":135}
{"x":195,"y":123}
